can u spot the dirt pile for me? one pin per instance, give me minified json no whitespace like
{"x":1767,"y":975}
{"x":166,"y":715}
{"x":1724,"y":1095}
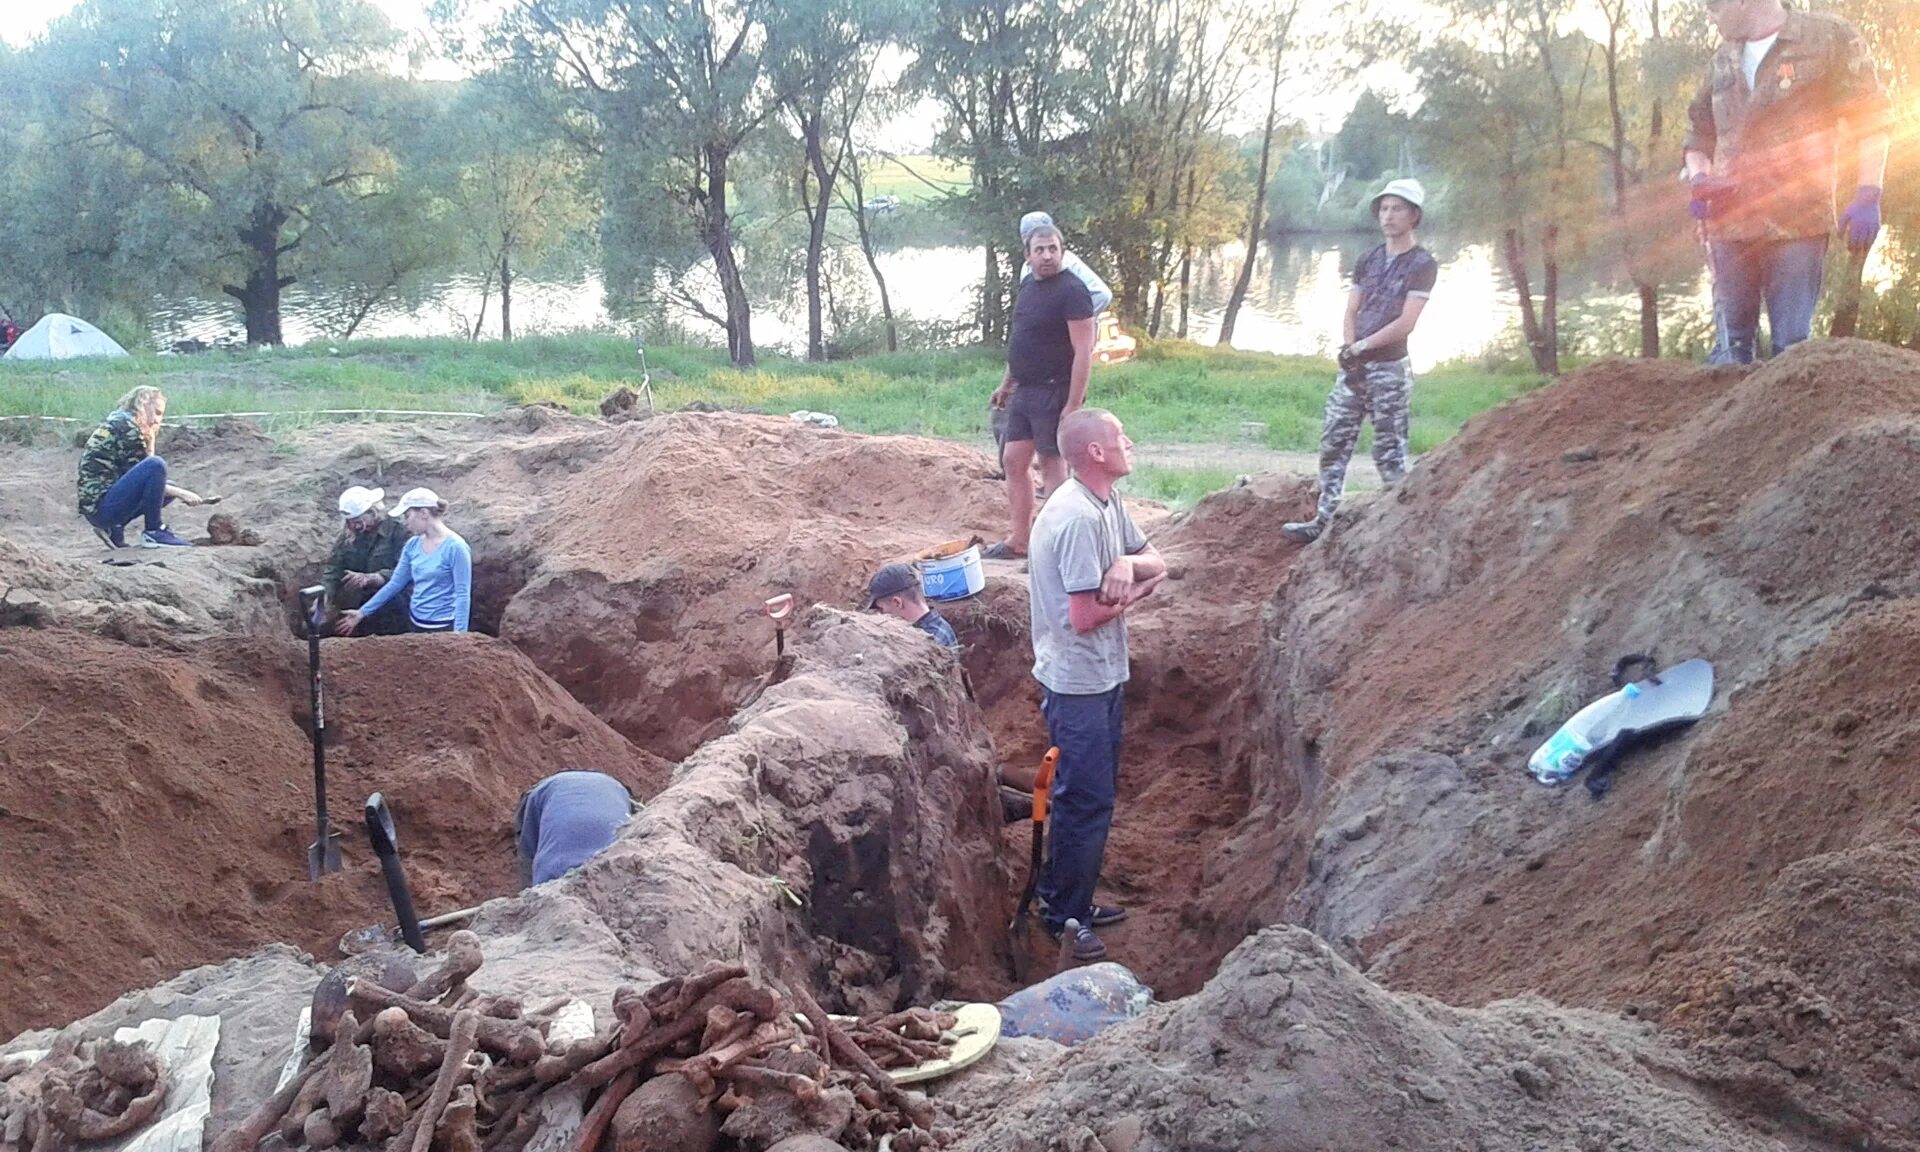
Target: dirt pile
{"x":842,"y":833}
{"x":1289,"y":1048}
{"x":156,"y":806}
{"x":650,"y":557}
{"x":1417,"y":656}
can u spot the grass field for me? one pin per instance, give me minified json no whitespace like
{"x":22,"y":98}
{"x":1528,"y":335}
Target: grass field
{"x":915,"y":179}
{"x":1172,"y":394}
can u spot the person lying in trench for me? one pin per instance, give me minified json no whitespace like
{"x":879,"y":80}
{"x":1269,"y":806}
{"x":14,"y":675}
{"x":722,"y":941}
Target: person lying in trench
{"x":362,"y":562}
{"x":566,"y":820}
{"x":436,"y":564}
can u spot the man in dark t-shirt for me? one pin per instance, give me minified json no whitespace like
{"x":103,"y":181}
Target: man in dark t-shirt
{"x":1049,"y":352}
{"x":1391,"y":285}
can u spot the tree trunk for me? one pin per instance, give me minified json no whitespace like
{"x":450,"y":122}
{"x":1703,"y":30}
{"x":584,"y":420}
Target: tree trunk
{"x":259,"y":297}
{"x":992,"y":304}
{"x":1523,"y":287}
{"x":486,"y":295}
{"x":1846,"y":311}
{"x":717,"y":231}
{"x":1186,"y":282}
{"x":1257,"y":219}
{"x":1550,"y":297}
{"x":1649,"y":321}
{"x":866,"y":241}
{"x":815,"y":206}
{"x":506,"y":297}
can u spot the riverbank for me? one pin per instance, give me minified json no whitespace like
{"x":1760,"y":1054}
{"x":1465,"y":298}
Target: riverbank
{"x":1173,"y":393}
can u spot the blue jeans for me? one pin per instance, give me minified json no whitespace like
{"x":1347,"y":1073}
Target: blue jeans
{"x":1086,"y":729}
{"x":140,"y":492}
{"x":1785,"y":274}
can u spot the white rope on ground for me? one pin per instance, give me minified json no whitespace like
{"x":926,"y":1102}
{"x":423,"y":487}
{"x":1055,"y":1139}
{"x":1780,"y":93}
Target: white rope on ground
{"x":268,"y":415}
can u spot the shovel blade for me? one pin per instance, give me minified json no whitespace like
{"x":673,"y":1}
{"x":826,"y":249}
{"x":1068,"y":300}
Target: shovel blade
{"x":323,"y":856}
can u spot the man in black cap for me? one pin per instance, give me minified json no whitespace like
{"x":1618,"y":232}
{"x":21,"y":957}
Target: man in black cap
{"x":895,"y":590}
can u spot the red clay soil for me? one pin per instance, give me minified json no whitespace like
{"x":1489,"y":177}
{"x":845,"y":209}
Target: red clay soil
{"x":156,"y":806}
{"x":1779,"y":924}
{"x":655,"y":551}
{"x":1749,"y":881}
{"x":1191,"y":645}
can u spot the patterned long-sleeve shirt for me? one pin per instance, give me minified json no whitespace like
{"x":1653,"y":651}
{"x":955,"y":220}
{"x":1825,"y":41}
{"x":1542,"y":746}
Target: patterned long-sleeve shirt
{"x":114,"y":447}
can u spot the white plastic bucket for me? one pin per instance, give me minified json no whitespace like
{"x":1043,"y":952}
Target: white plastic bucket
{"x":953,"y":576}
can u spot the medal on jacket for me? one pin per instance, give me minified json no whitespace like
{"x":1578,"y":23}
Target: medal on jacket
{"x":1786,"y":76}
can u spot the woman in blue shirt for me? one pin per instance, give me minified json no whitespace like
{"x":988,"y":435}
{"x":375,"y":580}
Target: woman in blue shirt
{"x":436,"y":564}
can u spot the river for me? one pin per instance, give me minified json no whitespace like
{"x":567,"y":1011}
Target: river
{"x":1294,"y":307}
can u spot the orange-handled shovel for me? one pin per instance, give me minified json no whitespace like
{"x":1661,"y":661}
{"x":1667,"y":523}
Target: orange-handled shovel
{"x":1042,"y":788}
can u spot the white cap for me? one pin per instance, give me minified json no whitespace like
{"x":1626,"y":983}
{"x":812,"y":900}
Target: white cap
{"x":418,"y":498}
{"x":1408,"y":189}
{"x":358,"y":501}
{"x":1034,"y":220}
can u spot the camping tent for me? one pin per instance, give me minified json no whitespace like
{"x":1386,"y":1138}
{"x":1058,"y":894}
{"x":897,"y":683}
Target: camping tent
{"x":62,"y":337}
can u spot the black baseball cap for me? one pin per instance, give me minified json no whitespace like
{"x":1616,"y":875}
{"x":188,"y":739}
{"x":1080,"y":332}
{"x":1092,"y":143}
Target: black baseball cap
{"x":891,"y":580}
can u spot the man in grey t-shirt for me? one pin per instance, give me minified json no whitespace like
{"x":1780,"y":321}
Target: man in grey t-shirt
{"x":1089,"y":564}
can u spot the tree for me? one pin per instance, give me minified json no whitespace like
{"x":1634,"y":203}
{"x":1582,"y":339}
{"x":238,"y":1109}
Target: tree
{"x":853,"y":198}
{"x":1282,"y":26}
{"x":673,"y":90}
{"x":823,"y":54}
{"x":67,"y":208}
{"x":1373,"y":139}
{"x":516,"y":191}
{"x":1509,"y":98}
{"x":1009,"y":86}
{"x":1162,"y":77}
{"x":1651,"y":65}
{"x":242,"y":125}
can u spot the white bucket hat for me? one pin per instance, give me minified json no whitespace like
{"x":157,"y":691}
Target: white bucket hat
{"x":418,"y":498}
{"x":1408,"y":189}
{"x":358,"y":501}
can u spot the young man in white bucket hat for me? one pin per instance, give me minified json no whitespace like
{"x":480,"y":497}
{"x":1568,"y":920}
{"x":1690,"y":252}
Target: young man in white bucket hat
{"x":1391,"y":285}
{"x":362,"y":562}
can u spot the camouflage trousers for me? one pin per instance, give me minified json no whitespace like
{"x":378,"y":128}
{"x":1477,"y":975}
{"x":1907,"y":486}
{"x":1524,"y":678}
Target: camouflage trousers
{"x":1379,"y":392}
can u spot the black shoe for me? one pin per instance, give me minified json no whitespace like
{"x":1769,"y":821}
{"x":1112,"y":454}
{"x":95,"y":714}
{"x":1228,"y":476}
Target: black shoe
{"x":1015,"y":805}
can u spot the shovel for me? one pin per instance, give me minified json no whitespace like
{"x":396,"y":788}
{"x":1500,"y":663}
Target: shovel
{"x":323,"y":856}
{"x":780,"y":610}
{"x":1018,"y":930}
{"x":387,"y":847}
{"x":357,"y":940}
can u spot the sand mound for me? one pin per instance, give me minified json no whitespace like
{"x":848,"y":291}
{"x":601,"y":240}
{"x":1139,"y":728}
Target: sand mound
{"x":652,"y":556}
{"x":1291,"y":1049}
{"x":156,"y":807}
{"x":1416,"y":657}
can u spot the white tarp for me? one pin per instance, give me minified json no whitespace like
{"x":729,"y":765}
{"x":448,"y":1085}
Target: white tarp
{"x":61,"y":337}
{"x":185,"y":1047}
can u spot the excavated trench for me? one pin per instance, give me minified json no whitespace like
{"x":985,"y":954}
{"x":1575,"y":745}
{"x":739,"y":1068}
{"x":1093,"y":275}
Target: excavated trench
{"x":1334,"y":741}
{"x":186,"y":808}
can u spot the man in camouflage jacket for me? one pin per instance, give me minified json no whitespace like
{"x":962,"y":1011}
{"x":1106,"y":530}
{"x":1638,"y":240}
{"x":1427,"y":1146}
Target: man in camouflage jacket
{"x":1786,"y":90}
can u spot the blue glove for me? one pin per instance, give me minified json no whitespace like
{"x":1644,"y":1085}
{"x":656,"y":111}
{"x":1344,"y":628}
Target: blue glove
{"x":1708,"y":191}
{"x":1862,"y":218}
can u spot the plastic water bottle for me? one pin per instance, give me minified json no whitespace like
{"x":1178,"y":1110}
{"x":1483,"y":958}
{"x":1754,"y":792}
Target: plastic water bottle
{"x":1561,"y":756}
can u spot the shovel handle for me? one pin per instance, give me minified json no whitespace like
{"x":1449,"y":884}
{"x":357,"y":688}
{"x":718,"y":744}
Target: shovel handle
{"x":1043,"y":784}
{"x":779,"y":608}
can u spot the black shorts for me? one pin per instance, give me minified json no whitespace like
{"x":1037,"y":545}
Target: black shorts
{"x":1034,"y":414}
